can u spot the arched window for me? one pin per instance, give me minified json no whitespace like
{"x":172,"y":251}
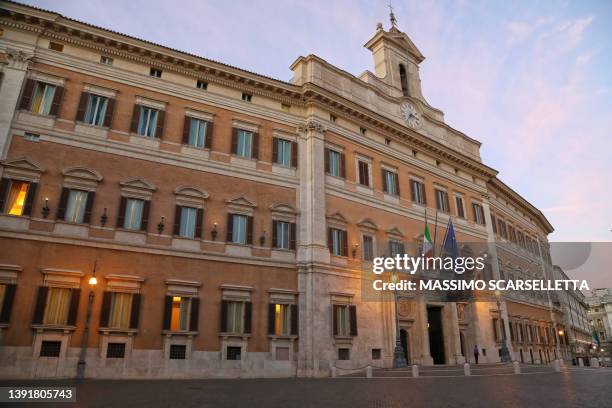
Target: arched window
{"x":403,"y":79}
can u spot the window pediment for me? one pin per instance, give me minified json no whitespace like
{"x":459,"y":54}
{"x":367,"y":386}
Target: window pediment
{"x":83,"y":173}
{"x":241,"y":201}
{"x":367,"y":224}
{"x":337,"y":217}
{"x":190,"y":196}
{"x":395,"y":232}
{"x":139,"y":183}
{"x":22,"y":168}
{"x":284,"y":208}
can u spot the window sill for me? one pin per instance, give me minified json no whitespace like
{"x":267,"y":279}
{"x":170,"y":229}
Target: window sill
{"x":170,"y":333}
{"x":290,"y":337}
{"x":243,"y":336}
{"x":53,"y":327}
{"x":343,"y":340}
{"x":110,"y":330}
{"x":144,"y":140}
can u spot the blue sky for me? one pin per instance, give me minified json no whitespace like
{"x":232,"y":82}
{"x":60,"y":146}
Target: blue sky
{"x":531,"y":80}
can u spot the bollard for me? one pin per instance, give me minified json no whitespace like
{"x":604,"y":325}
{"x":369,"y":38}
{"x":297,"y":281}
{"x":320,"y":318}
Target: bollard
{"x":369,"y":371}
{"x":580,"y":362}
{"x":557,"y":366}
{"x":466,"y":369}
{"x":334,"y":373}
{"x":517,"y":367}
{"x":594,"y":362}
{"x":415,"y":370}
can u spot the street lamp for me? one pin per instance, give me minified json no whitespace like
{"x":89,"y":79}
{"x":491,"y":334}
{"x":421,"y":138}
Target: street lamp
{"x":93,"y":281}
{"x":505,"y":354}
{"x":399,"y":358}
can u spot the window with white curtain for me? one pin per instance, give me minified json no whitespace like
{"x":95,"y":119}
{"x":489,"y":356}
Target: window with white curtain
{"x":188,"y":222}
{"x":43,"y":98}
{"x":282,"y":235}
{"x":133,"y":214}
{"x":197,"y":133}
{"x":147,"y":122}
{"x":96,"y":110}
{"x":284,"y":152}
{"x":239,"y":232}
{"x":120,"y":310}
{"x":235,"y":314}
{"x":75,"y":208}
{"x":58,"y":304}
{"x":244,"y":145}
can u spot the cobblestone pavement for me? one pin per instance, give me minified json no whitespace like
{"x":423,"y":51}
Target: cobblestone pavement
{"x":572,"y":387}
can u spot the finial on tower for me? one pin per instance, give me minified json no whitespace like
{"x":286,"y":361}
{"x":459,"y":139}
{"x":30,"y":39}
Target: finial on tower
{"x":392,"y":16}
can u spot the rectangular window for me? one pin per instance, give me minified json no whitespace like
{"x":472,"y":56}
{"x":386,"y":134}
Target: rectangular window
{"x":478,"y":214}
{"x":418,"y":192}
{"x":496,"y":330}
{"x":75,"y":208}
{"x":50,"y":348}
{"x":43,"y":98}
{"x":502,"y":229}
{"x":188,"y":222}
{"x":155,"y":73}
{"x":106,"y":60}
{"x":244,"y":146}
{"x":512,"y":233}
{"x":335,"y":164}
{"x":442,"y":201}
{"x":147,"y":122}
{"x":247,"y":97}
{"x":58,"y":304}
{"x":494,"y":224}
{"x":282,"y":321}
{"x":282,"y":235}
{"x":115,"y":350}
{"x":460,"y":207}
{"x":368,"y":248}
{"x":17,"y":195}
{"x":56,"y":46}
{"x":179,"y":317}
{"x":133,"y":214}
{"x":177,"y":352}
{"x":202,"y":85}
{"x":344,"y":354}
{"x":396,"y":247}
{"x":235,"y":317}
{"x":390,"y":182}
{"x":376,"y":354}
{"x":96,"y":110}
{"x":233,"y":353}
{"x":2,"y":294}
{"x":342,"y":320}
{"x":284,"y":153}
{"x":120,"y":310}
{"x":364,"y":173}
{"x":332,"y":118}
{"x":239,"y":229}
{"x":338,"y":242}
{"x":197,"y":133}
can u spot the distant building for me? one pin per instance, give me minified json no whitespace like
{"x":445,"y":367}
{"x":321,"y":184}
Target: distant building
{"x":600,"y":318}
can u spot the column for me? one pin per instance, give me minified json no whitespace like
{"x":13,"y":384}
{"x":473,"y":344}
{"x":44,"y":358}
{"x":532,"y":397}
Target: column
{"x":425,"y":352}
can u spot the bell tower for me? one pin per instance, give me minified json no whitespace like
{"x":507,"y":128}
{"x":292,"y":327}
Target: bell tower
{"x":396,"y":60}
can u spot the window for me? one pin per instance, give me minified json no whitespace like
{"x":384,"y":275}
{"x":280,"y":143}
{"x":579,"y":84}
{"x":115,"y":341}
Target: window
{"x":368,"y":248}
{"x":234,"y":316}
{"x":494,"y":223}
{"x":282,"y":152}
{"x":390,"y":182}
{"x":179,"y":316}
{"x":338,"y":242}
{"x":332,"y":118}
{"x":502,"y":228}
{"x":239,"y":229}
{"x":362,"y":130}
{"x":460,"y":207}
{"x":376,"y":354}
{"x":442,"y":200}
{"x":285,"y":107}
{"x":32,"y":137}
{"x":334,"y":163}
{"x":106,"y":60}
{"x":478,"y":214}
{"x":155,"y":73}
{"x":283,"y":234}
{"x":133,"y":214}
{"x":233,"y":353}
{"x":57,"y":306}
{"x":244,"y":143}
{"x":187,"y":226}
{"x":120,"y":310}
{"x":387,"y":141}
{"x":496,"y":335}
{"x":178,"y":352}
{"x":75,"y":206}
{"x":56,"y":46}
{"x":115,"y":350}
{"x":396,"y":247}
{"x":403,"y":79}
{"x":418,"y":192}
{"x":282,"y":320}
{"x":247,"y":97}
{"x":50,"y":348}
{"x":96,"y":110}
{"x":197,"y":133}
{"x":15,"y":194}
{"x":511,"y":233}
{"x":202,"y":85}
{"x":345,"y":320}
{"x":43,"y":98}
{"x":344,"y":354}
{"x":147,"y":121}
{"x":364,"y":172}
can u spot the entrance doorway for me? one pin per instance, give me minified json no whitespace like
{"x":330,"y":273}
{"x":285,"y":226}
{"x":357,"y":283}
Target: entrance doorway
{"x":405,"y":344}
{"x":436,"y":335}
{"x":462,"y":340}
{"x":522,"y":357}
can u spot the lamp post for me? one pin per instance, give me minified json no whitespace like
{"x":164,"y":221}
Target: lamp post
{"x":81,"y":365}
{"x":505,"y":353}
{"x":399,"y":358}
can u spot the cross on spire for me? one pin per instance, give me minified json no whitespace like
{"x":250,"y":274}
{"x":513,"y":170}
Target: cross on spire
{"x":392,"y":16}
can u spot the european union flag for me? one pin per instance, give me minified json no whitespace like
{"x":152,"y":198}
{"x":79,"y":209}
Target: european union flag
{"x":449,"y":245}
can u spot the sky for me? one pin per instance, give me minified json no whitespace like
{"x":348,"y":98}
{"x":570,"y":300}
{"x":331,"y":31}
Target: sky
{"x":531,"y":80}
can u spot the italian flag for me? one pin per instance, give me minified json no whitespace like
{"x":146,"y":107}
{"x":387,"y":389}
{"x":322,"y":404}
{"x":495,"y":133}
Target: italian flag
{"x":427,"y":243}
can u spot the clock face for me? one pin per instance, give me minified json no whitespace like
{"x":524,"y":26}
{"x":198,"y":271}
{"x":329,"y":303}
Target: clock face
{"x":410,"y":115}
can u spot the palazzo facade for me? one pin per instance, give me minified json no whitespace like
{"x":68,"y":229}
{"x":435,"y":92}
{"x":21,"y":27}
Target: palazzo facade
{"x":228,"y":217}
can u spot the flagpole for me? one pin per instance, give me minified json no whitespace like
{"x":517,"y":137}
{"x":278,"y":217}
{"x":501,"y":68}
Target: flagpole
{"x":433,"y":252}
